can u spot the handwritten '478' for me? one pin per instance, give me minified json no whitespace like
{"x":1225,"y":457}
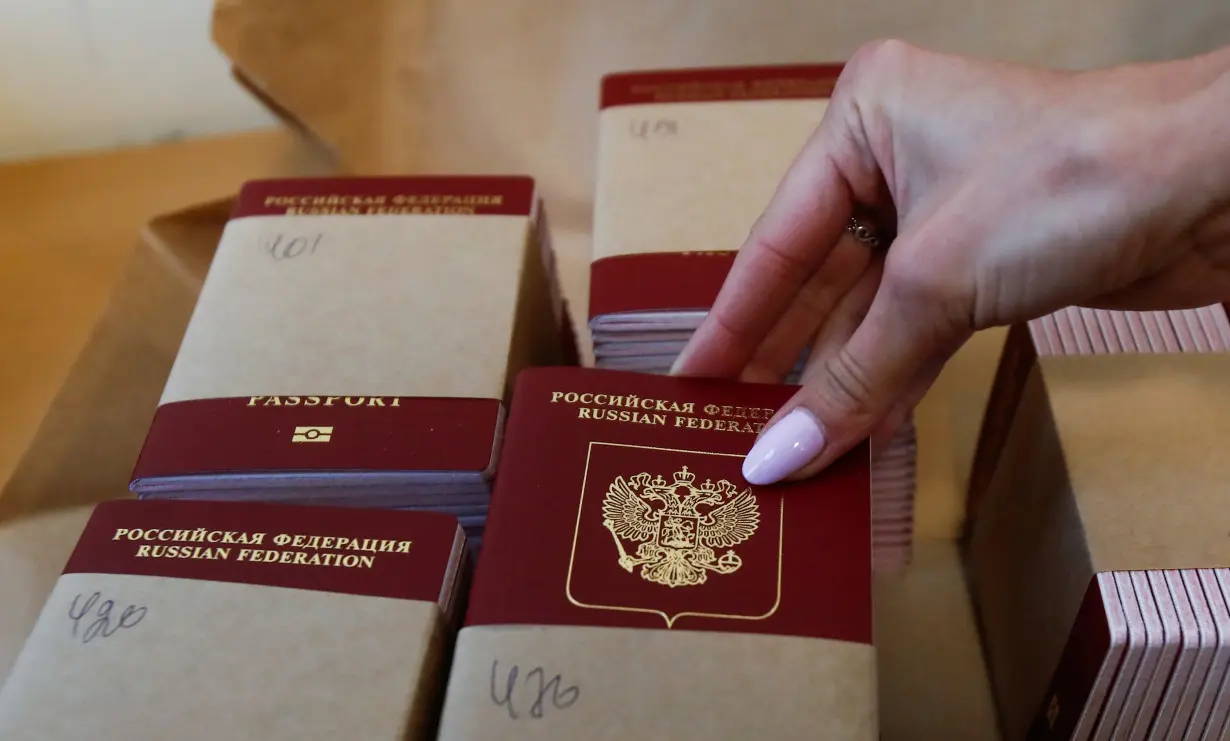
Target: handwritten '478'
{"x":505,"y":691}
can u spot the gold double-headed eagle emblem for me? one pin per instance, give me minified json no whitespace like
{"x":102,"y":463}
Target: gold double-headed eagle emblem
{"x":679,"y":526}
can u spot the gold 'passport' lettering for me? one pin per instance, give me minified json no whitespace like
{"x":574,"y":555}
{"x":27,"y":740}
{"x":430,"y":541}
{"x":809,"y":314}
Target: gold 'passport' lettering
{"x":324,"y":401}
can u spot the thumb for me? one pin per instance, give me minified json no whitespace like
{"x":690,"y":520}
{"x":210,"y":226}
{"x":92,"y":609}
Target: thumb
{"x":856,"y":385}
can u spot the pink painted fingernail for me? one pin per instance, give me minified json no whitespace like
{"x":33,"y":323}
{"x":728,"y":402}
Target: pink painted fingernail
{"x":785,"y":448}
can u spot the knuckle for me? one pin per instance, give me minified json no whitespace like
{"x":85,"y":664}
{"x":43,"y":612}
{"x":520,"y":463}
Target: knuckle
{"x":846,"y":388}
{"x":785,"y":263}
{"x":886,"y":55}
{"x":920,"y":285}
{"x":938,"y":297}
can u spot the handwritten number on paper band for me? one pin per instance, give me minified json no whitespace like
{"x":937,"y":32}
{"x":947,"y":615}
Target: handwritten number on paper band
{"x":95,"y":617}
{"x":644,"y":128}
{"x":281,"y":248}
{"x":541,"y":690}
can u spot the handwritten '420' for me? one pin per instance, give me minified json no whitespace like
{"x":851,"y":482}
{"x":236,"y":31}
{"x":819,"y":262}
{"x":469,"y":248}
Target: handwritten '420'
{"x":94,"y":617}
{"x":280,"y":247}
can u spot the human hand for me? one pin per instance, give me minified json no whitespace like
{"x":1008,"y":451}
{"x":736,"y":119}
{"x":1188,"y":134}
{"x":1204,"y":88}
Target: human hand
{"x":1014,"y":192}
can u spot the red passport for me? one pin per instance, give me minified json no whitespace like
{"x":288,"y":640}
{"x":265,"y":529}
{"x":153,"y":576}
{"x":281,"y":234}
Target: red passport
{"x":222,"y":620}
{"x":625,"y":552}
{"x":354,"y":343}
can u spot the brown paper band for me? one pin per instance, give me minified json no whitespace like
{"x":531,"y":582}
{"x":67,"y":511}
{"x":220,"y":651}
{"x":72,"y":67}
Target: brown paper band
{"x":463,"y":196}
{"x":377,"y":553}
{"x":779,"y":82}
{"x":283,"y":434}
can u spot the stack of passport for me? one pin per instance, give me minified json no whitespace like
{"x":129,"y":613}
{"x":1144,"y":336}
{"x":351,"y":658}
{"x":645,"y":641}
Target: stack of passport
{"x":669,"y":214}
{"x":354,"y":344}
{"x":633,"y":584}
{"x":1078,"y":331}
{"x":1102,"y":591}
{"x":223,"y":620}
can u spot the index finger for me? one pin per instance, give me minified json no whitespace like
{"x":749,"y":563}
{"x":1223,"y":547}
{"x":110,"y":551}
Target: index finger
{"x":789,"y":242}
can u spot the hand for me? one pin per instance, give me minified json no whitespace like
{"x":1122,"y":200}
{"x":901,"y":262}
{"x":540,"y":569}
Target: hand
{"x":1014,"y":192}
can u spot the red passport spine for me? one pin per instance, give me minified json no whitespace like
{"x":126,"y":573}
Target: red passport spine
{"x":1076,"y":672}
{"x":401,"y":555}
{"x":773,"y":82}
{"x":657,"y":281}
{"x":470,"y":195}
{"x":285,"y":434}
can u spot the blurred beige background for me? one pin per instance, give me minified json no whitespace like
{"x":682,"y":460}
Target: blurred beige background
{"x":81,"y":74}
{"x":77,"y":79}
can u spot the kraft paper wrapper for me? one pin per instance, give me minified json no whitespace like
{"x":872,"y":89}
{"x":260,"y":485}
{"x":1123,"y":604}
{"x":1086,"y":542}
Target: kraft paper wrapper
{"x":211,"y":660}
{"x":432,"y":311}
{"x":648,"y":195}
{"x":686,"y":685}
{"x":1111,"y":464}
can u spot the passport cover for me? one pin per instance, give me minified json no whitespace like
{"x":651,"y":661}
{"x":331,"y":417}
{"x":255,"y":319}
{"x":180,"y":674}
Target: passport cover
{"x":621,"y":530}
{"x":381,"y":318}
{"x":664,"y":207}
{"x":194,"y":620}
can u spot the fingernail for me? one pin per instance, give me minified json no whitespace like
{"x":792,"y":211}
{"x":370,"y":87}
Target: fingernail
{"x":785,"y":448}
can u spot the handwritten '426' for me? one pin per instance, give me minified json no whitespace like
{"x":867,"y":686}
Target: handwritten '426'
{"x":509,"y":690}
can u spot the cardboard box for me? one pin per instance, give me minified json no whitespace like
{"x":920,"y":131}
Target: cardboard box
{"x":1107,"y":464}
{"x":930,"y":672}
{"x":447,"y":86}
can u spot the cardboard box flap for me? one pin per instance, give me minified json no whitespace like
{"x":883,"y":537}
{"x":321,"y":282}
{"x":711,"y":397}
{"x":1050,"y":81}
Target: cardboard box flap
{"x":330,"y":68}
{"x":93,"y":430}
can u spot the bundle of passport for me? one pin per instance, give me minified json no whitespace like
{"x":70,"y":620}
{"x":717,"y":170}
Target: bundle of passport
{"x":380,"y":500}
{"x":625,"y":564}
{"x":1100,"y":584}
